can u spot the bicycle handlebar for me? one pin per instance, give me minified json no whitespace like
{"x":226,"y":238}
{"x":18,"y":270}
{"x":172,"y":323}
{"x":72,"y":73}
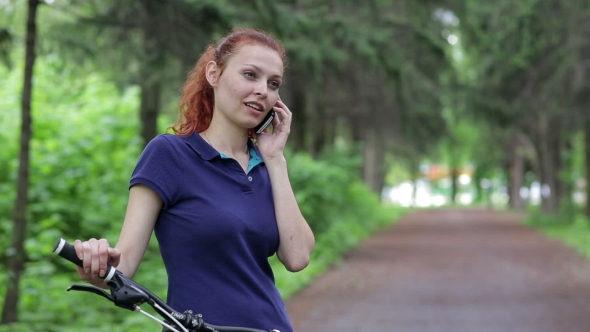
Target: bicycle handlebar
{"x":128,"y":294}
{"x":67,"y":251}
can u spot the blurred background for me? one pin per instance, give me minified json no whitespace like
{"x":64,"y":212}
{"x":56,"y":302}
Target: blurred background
{"x":398,"y":105}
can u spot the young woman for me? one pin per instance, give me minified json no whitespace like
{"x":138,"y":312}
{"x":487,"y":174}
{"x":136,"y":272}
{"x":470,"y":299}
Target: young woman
{"x":219,"y":202}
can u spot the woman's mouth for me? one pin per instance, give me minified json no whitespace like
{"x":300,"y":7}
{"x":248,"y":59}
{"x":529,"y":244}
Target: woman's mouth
{"x":254,"y":106}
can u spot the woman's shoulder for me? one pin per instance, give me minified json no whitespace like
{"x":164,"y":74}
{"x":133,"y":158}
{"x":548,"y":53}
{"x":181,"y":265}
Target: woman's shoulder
{"x":165,"y":141}
{"x":181,"y":145}
{"x":162,"y":145}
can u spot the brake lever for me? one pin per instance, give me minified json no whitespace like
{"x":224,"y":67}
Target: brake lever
{"x":123,"y":295}
{"x":126,"y":295}
{"x":91,"y":289}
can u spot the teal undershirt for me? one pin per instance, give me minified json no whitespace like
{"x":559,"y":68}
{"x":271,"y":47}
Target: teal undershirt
{"x":254,"y":159}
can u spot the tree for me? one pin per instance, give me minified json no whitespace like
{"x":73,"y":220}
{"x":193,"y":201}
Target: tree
{"x":526,"y":84}
{"x":5,"y":45}
{"x":17,"y":253}
{"x":151,"y":43}
{"x":587,"y":175}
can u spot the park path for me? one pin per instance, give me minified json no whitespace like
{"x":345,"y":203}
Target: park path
{"x":451,"y":270}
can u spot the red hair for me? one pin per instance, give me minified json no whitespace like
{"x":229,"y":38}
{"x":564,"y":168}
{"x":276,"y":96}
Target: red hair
{"x":196,"y":104}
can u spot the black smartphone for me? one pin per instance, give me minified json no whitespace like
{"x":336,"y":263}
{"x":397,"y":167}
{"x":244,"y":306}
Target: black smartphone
{"x":265,"y":123}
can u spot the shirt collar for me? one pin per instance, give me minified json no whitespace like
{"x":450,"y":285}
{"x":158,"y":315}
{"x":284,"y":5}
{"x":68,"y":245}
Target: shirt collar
{"x":205,"y":150}
{"x":200,"y":146}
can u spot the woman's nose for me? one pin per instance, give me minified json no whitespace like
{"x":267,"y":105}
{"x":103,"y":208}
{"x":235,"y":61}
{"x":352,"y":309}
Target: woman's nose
{"x":261,"y":89}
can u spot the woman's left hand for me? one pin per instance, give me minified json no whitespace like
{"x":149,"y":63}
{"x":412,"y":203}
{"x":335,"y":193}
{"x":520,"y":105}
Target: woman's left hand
{"x":272,"y":144}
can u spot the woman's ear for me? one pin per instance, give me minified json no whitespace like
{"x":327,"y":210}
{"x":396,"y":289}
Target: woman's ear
{"x":212,"y":73}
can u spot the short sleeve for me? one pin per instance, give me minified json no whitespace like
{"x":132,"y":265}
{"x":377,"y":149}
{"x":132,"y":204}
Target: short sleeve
{"x":159,"y":168}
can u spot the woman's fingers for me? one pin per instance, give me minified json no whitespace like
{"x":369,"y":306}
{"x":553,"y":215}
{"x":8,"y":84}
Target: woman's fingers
{"x":96,"y":255}
{"x":95,"y":263}
{"x":103,"y":257}
{"x":87,"y":253}
{"x":284,"y":116}
{"x":114,"y":256}
{"x":79,"y":249}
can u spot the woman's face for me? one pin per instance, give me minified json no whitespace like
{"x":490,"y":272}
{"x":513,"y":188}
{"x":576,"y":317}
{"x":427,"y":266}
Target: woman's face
{"x":249,"y":85}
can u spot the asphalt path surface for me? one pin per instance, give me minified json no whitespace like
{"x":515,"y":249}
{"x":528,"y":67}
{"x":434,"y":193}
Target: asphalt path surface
{"x":451,"y":271}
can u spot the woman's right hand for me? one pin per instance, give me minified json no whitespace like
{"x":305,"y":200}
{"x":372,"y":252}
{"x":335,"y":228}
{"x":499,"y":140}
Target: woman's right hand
{"x":96,"y":255}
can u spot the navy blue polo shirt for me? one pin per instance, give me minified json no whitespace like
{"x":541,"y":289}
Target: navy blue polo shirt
{"x":216,"y":230}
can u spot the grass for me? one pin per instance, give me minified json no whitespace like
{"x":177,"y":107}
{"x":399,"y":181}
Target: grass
{"x":574,"y":230}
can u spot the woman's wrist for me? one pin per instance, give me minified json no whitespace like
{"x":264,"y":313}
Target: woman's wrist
{"x":279,"y":161}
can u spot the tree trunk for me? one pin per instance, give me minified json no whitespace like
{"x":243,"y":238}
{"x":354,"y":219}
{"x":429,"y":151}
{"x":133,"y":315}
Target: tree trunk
{"x":298,"y":106}
{"x":356,"y":127}
{"x":317,"y":126}
{"x":153,"y":60}
{"x":328,"y":129}
{"x":554,"y":157}
{"x":372,"y":161}
{"x":560,"y":149}
{"x":369,"y":157}
{"x":549,"y":199}
{"x":477,"y":178}
{"x":149,"y":109}
{"x":454,"y":182}
{"x":516,"y":177}
{"x":16,"y":253}
{"x":587,"y":162}
{"x":414,"y":167}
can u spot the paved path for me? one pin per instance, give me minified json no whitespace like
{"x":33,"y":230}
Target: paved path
{"x":451,"y":270}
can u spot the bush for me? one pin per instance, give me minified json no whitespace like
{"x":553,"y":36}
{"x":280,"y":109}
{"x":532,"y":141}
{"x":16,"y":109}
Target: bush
{"x":572,"y":231}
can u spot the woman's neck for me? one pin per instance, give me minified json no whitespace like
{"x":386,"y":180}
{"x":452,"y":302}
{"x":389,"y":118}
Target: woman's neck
{"x":232,"y":143}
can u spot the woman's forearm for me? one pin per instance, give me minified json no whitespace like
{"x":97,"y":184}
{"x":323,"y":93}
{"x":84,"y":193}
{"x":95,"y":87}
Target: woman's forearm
{"x":296,"y":238}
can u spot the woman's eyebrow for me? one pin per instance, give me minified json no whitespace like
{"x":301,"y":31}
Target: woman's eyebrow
{"x":260,"y":69}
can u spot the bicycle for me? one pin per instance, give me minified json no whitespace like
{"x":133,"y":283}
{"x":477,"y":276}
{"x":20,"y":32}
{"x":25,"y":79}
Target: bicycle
{"x":128,"y":294}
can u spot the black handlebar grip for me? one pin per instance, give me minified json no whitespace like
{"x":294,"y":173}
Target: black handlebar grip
{"x":67,"y":251}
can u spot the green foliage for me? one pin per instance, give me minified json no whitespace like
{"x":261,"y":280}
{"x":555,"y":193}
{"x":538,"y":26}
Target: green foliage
{"x":82,"y":153}
{"x":320,"y":185}
{"x":574,"y":230}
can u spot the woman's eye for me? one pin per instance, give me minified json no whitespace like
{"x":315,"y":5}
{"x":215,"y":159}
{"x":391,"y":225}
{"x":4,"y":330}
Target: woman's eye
{"x":249,"y":74}
{"x":274,"y":84}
